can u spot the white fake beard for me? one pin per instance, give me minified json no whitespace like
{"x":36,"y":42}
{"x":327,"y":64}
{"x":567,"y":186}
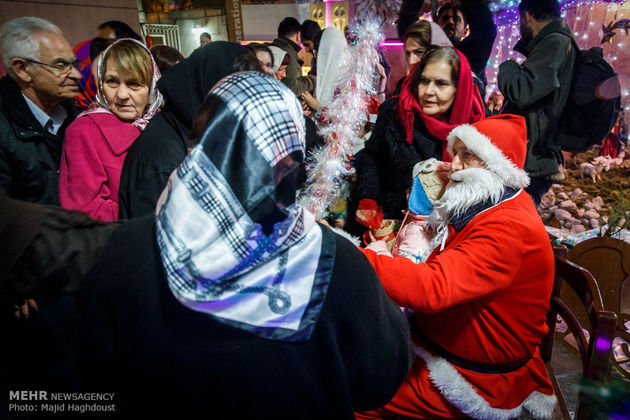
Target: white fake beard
{"x":466,"y":188}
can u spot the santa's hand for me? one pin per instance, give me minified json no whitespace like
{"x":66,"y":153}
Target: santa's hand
{"x":23,"y":310}
{"x":380,"y":247}
{"x":444,"y":172}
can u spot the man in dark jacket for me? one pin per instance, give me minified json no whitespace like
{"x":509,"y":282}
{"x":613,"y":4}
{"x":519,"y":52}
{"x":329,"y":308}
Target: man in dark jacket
{"x":35,"y":107}
{"x":477,"y":46}
{"x":538,"y":89}
{"x":289,"y":39}
{"x":474,"y":14}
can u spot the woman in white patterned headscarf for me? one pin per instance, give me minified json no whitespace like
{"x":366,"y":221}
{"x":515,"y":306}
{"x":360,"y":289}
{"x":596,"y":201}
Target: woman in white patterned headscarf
{"x":231,"y":300}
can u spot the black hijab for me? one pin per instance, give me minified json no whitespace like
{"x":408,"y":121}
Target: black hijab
{"x":187,"y":84}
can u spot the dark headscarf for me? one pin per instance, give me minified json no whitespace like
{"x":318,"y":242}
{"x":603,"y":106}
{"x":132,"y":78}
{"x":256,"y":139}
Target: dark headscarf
{"x":187,"y":84}
{"x":233,"y":241}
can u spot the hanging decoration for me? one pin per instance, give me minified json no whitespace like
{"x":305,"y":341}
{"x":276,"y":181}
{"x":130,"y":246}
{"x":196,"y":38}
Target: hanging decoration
{"x":328,"y":167}
{"x":609,"y":31}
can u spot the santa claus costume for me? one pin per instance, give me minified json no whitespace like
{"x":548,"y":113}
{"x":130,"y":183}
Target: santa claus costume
{"x":481,"y":298}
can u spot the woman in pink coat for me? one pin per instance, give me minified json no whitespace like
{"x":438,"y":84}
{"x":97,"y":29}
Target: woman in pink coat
{"x":96,"y":143}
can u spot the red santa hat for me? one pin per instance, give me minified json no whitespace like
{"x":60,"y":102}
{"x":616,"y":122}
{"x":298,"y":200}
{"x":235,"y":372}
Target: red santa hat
{"x":501,"y":142}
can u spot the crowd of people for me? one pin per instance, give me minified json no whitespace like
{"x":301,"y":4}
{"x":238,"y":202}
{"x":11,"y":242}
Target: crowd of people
{"x":155,"y":248}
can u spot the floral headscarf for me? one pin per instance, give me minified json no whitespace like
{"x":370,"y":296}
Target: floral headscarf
{"x":154,"y":104}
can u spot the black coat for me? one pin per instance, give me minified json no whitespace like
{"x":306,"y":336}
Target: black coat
{"x":165,"y":360}
{"x":538,"y":90}
{"x":477,"y":46}
{"x":155,"y":154}
{"x":29,"y":155}
{"x":162,"y":145}
{"x":151,"y":159}
{"x":385,"y":165}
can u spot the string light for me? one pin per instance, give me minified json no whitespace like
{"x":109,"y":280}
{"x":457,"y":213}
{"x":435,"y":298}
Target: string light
{"x":506,"y":11}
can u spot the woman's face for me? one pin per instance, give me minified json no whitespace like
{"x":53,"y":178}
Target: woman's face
{"x":127,"y":97}
{"x":265,"y":61}
{"x":413,"y":52}
{"x":436,"y":91}
{"x":281,"y":73}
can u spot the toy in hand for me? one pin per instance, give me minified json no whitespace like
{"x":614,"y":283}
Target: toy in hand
{"x":429,"y":179}
{"x":369,"y":213}
{"x":413,"y":240}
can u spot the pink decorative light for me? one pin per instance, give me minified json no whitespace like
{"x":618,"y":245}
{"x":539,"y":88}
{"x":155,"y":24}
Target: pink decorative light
{"x":392,"y":44}
{"x":328,"y":12}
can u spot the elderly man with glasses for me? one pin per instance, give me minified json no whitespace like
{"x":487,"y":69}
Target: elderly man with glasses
{"x":35,"y":107}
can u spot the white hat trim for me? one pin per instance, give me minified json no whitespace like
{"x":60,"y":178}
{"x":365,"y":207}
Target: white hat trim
{"x":495,"y":161}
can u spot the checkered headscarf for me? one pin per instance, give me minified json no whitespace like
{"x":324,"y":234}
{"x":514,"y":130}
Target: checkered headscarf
{"x":211,"y":218}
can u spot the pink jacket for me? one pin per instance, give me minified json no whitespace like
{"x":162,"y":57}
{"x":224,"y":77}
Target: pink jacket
{"x":93,"y":154}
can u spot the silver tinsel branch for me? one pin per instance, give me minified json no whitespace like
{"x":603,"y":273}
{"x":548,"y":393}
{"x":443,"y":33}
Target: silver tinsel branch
{"x":328,"y":167}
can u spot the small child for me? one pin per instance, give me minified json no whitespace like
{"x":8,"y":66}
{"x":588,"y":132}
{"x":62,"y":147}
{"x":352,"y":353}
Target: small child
{"x":413,"y":241}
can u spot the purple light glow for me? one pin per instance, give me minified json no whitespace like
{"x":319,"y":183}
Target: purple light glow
{"x":602,"y":344}
{"x":392,"y":44}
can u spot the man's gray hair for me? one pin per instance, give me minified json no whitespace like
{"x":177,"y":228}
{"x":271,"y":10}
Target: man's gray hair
{"x":18,"y":39}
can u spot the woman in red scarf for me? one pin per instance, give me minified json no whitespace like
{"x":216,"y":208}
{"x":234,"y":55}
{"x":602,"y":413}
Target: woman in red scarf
{"x":438,"y":95}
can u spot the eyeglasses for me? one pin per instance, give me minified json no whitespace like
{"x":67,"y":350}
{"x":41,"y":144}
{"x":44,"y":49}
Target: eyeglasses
{"x":469,"y":158}
{"x":59,"y":68}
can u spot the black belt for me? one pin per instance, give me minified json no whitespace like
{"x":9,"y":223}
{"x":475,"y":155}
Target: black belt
{"x":460,"y":361}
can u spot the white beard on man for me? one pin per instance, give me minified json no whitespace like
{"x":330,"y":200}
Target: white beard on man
{"x":500,"y":148}
{"x":467,"y":188}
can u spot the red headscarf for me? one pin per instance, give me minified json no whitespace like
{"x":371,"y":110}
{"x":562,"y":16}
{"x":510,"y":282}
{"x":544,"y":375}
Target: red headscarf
{"x":466,"y":108}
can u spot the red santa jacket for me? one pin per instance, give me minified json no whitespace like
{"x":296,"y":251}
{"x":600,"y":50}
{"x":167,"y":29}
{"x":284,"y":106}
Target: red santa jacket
{"x":483,"y":297}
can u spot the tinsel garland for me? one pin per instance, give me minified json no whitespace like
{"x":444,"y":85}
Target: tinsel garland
{"x":328,"y":167}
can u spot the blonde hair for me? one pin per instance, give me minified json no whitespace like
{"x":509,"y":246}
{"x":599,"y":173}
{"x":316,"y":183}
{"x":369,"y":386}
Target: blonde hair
{"x":132,"y":61}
